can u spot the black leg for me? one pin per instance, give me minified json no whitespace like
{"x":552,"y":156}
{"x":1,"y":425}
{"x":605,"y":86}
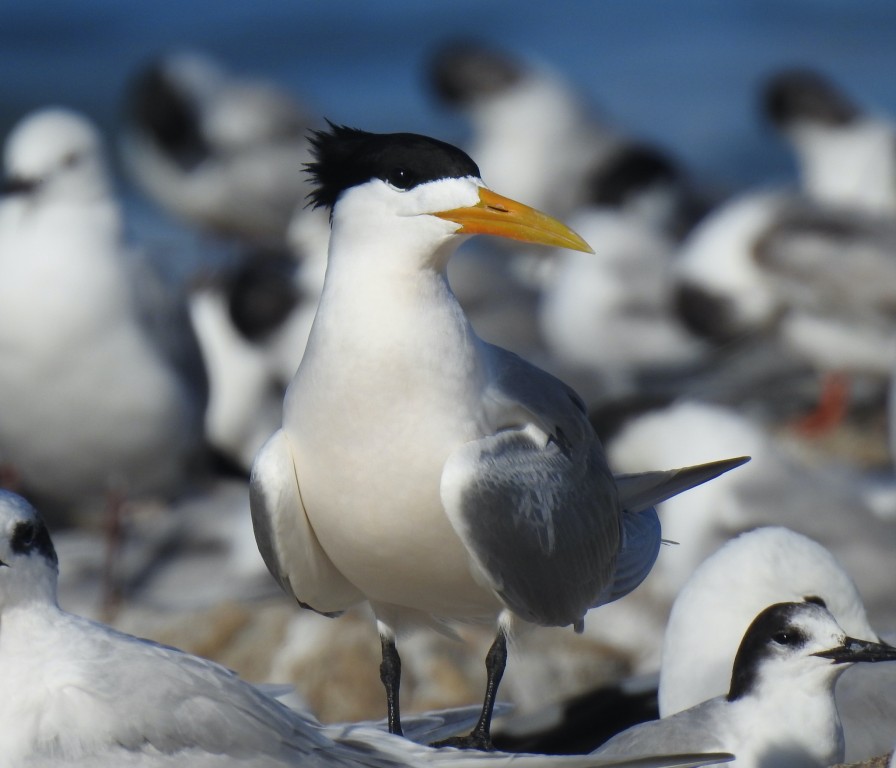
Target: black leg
{"x":390,"y":674}
{"x":480,"y":737}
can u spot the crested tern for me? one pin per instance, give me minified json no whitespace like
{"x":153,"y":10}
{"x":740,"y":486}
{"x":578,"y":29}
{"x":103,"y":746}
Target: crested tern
{"x":419,"y":468}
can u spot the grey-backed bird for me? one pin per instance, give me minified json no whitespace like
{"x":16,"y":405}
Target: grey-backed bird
{"x":419,"y":468}
{"x":779,"y":711}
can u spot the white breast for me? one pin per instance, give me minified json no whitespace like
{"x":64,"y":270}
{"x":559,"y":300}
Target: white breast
{"x":389,"y":386}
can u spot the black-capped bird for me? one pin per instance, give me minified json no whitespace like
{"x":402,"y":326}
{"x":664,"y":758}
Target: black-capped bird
{"x":420,"y":468}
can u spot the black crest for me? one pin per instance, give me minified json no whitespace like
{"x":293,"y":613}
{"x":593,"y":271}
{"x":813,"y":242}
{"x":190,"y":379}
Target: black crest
{"x":773,"y":627}
{"x":32,"y":536}
{"x":803,"y":94}
{"x":157,"y":106}
{"x":345,"y":157}
{"x":465,"y":71}
{"x":630,"y":172}
{"x":262,"y":293}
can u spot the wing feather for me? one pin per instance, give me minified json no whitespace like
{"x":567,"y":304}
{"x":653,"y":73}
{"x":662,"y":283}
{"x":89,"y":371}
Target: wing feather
{"x":819,"y":259}
{"x":644,"y":489}
{"x":285,"y":538}
{"x":534,"y":501}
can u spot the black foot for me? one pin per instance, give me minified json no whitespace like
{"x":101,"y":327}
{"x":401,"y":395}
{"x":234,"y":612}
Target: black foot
{"x":472,"y":740}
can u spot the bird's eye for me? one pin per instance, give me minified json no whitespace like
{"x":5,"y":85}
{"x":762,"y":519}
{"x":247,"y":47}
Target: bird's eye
{"x":401,"y":178}
{"x":784,"y":638}
{"x":23,"y":537}
{"x":27,"y":536}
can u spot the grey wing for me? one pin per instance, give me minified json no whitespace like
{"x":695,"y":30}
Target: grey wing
{"x":693,"y":730}
{"x":409,"y":753}
{"x":638,"y":550}
{"x":284,"y":535}
{"x":641,"y":490}
{"x":148,"y":698}
{"x":641,"y":531}
{"x":819,"y":259}
{"x":172,"y":708}
{"x":534,"y":501}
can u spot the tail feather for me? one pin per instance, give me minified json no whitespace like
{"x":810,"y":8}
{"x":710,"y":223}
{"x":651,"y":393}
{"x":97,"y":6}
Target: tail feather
{"x":645,"y":489}
{"x":641,"y":538}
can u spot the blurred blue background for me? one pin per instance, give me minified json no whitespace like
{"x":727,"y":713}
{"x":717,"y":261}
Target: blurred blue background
{"x":681,"y":73}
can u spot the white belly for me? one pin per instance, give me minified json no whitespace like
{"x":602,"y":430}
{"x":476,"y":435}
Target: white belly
{"x":371,"y":492}
{"x":88,"y":402}
{"x":374,"y":411}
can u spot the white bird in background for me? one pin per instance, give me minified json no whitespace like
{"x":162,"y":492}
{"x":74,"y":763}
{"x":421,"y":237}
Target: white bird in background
{"x":101,"y":379}
{"x":77,"y":693}
{"x":524,"y":109}
{"x":223,"y":152}
{"x":824,"y":499}
{"x":778,"y":487}
{"x":818,"y":281}
{"x":723,"y":293}
{"x":779,"y":711}
{"x":846,"y":156}
{"x":419,"y":468}
{"x":781,"y":486}
{"x":614,"y":316}
{"x":718,"y":602}
{"x":244,"y":399}
{"x":253,"y":319}
{"x":519,"y":110}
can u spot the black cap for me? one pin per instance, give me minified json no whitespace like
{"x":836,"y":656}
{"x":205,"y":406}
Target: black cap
{"x":346,"y":157}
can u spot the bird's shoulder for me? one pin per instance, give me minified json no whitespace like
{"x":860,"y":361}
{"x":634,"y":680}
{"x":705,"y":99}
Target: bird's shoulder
{"x":520,"y":392}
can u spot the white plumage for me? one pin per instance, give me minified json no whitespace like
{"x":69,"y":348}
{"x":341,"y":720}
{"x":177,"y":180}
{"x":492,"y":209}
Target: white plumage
{"x":101,"y":380}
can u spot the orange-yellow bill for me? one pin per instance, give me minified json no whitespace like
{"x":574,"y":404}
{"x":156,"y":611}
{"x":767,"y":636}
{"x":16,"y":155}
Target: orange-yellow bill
{"x":495,"y":214}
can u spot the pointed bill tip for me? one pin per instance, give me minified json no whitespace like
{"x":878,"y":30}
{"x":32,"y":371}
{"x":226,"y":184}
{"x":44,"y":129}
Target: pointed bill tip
{"x":854,"y":650}
{"x":497,"y":215}
{"x":16,"y":186}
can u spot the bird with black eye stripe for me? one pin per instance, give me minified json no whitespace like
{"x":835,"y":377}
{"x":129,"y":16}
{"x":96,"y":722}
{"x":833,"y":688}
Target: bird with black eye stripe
{"x":779,"y":711}
{"x":436,"y":476}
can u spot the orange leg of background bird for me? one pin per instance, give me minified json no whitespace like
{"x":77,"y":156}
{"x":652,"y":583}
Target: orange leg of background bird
{"x":830,"y":412}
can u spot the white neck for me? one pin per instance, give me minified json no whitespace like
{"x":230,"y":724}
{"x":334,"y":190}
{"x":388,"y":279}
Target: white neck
{"x":386,"y":297}
{"x":801,"y":726}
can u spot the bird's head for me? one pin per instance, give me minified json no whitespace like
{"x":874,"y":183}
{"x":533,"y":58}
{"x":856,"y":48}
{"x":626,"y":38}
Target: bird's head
{"x":28,"y":562}
{"x":798,"y":646}
{"x":463,"y":73}
{"x":54,"y":153}
{"x":416,"y":194}
{"x":797,"y":97}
